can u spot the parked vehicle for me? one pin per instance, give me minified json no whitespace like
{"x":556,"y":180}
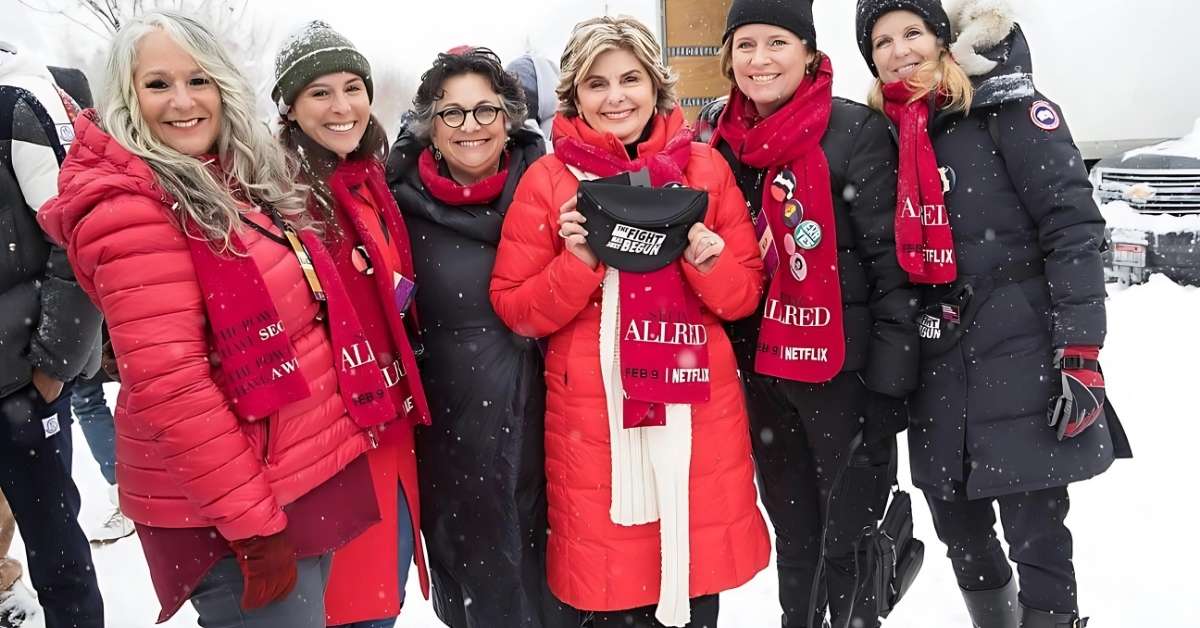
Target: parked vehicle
{"x":1151,"y":200}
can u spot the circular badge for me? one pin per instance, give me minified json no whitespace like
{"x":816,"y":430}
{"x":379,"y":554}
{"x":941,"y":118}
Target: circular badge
{"x":784,"y":185}
{"x":789,"y":246}
{"x":798,"y":267}
{"x":808,"y":235}
{"x":1044,"y":116}
{"x":793,"y":213}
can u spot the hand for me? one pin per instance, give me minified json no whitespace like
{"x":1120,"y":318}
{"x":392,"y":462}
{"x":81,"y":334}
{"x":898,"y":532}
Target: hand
{"x":108,"y":362}
{"x":48,"y":387}
{"x":704,"y":247}
{"x":268,"y":566}
{"x":1082,"y":398}
{"x":570,"y":229}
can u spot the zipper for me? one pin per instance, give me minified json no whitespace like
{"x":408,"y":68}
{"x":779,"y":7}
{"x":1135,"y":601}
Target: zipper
{"x":373,"y":437}
{"x":267,"y":441}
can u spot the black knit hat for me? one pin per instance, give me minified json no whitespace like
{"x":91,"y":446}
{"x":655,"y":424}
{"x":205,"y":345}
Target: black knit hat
{"x":794,"y":15}
{"x":869,"y":12}
{"x":311,"y":52}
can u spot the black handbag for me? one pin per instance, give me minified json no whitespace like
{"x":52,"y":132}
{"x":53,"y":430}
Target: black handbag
{"x":887,"y":556}
{"x":637,"y":228}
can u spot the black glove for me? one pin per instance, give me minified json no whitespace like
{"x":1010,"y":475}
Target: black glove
{"x":883,"y":417}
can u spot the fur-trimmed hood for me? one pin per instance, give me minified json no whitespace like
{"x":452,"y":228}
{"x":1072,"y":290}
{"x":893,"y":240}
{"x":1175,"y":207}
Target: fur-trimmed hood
{"x":991,"y":47}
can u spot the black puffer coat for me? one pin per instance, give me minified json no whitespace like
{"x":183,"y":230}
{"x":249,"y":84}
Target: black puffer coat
{"x":481,"y":462}
{"x":1019,"y":201}
{"x":879,"y":304}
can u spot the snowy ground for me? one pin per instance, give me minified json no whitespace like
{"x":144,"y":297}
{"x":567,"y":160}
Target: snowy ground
{"x":1129,"y":524}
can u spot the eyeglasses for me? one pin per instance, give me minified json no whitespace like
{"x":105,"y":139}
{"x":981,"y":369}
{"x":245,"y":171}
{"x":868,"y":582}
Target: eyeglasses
{"x":455,"y":117}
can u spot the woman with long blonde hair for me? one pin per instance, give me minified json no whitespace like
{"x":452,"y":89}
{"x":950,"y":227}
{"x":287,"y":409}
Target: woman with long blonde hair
{"x":1005,"y":245}
{"x":247,"y":382}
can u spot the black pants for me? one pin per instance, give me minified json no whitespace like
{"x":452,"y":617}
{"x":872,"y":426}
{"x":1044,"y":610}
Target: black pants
{"x":800,"y":434}
{"x":45,"y":502}
{"x":704,"y":615}
{"x":1038,"y":541}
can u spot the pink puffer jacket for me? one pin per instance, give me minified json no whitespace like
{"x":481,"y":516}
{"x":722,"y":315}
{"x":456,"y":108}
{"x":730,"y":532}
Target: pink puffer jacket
{"x":184,"y":459}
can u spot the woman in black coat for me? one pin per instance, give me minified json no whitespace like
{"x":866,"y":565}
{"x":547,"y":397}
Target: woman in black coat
{"x":453,"y":171}
{"x":988,"y":157}
{"x":831,"y":353}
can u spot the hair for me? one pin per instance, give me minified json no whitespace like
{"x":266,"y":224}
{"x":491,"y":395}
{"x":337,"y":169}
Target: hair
{"x":254,"y":167}
{"x":726,"y":59}
{"x":942,"y":75}
{"x":594,"y":37}
{"x":481,"y":61}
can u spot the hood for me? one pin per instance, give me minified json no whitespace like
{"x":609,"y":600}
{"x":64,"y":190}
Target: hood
{"x":1012,"y":76}
{"x":15,"y":61}
{"x":539,"y":79}
{"x":96,"y":168}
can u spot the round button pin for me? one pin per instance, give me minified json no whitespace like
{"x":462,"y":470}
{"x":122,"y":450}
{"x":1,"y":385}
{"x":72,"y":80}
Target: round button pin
{"x":808,"y":235}
{"x":793,"y":213}
{"x":798,"y":267}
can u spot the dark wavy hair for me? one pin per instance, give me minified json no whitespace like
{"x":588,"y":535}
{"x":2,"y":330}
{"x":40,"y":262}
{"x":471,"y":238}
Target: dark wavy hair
{"x":481,"y":61}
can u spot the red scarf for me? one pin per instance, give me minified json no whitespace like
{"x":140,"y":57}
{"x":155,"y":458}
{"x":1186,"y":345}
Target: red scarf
{"x":663,"y":345}
{"x":801,"y":336}
{"x":261,"y":371}
{"x":451,"y":192}
{"x":400,"y":374}
{"x":924,"y":241}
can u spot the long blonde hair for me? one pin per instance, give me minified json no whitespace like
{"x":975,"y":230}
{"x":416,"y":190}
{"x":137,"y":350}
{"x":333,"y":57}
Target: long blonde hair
{"x":594,"y":37}
{"x":255,"y":167}
{"x":942,"y":75}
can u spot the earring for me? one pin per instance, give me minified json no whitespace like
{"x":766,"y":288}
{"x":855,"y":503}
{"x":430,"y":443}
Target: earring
{"x":437,"y":154}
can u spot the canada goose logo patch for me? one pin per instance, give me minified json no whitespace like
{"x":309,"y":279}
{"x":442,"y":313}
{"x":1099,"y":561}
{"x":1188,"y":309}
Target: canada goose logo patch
{"x":1044,"y":116}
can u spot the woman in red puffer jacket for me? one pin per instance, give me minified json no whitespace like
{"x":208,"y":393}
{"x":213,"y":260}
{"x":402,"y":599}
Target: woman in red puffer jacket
{"x":247,"y":389}
{"x":698,"y":531}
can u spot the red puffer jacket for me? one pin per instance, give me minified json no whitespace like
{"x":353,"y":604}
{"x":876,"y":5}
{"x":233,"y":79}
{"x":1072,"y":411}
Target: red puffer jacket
{"x":540,"y":289}
{"x":184,"y":459}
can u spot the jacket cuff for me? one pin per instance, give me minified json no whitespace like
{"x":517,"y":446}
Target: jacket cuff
{"x":573,"y":280}
{"x":249,"y":526}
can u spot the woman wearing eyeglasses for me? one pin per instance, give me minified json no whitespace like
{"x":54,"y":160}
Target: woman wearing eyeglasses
{"x":323,"y":91}
{"x":453,"y":170}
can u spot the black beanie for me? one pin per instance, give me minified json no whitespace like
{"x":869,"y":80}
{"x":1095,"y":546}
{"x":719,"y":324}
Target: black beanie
{"x":794,"y":15}
{"x":869,"y":12}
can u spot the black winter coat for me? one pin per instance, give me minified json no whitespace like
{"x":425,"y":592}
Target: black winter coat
{"x":481,"y":462}
{"x":879,"y":304}
{"x":46,"y":320}
{"x":1018,"y":202}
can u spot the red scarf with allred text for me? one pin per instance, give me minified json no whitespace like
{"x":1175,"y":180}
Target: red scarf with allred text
{"x":801,"y":335}
{"x":261,"y":371}
{"x":924,"y":241}
{"x":663,"y":343}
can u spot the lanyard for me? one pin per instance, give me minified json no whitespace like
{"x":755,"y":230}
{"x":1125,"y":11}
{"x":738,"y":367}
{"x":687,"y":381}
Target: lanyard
{"x":290,"y":238}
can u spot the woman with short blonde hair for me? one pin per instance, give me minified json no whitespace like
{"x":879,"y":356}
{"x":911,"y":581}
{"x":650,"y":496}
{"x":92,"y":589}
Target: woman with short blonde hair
{"x":651,"y":499}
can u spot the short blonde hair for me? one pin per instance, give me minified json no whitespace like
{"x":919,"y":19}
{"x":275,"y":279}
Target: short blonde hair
{"x":594,"y":37}
{"x":943,"y":75}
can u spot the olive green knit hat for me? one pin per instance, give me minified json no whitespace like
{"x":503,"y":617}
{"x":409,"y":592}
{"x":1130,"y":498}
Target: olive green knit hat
{"x":313,"y":51}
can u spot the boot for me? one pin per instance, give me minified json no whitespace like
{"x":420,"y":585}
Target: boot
{"x":993,"y":608}
{"x":1033,"y":618}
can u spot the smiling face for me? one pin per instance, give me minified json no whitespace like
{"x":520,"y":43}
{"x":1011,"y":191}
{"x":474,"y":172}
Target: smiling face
{"x":178,"y":100}
{"x":768,"y":64}
{"x":900,"y":42}
{"x":472,"y":151}
{"x":617,"y":95}
{"x":333,"y":111}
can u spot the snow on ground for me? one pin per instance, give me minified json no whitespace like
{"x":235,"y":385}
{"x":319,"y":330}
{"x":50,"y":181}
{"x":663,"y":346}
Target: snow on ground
{"x":1132,"y":529}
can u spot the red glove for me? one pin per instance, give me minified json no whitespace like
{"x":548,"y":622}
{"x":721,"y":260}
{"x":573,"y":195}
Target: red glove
{"x":1082,"y":398}
{"x":268,"y":569}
